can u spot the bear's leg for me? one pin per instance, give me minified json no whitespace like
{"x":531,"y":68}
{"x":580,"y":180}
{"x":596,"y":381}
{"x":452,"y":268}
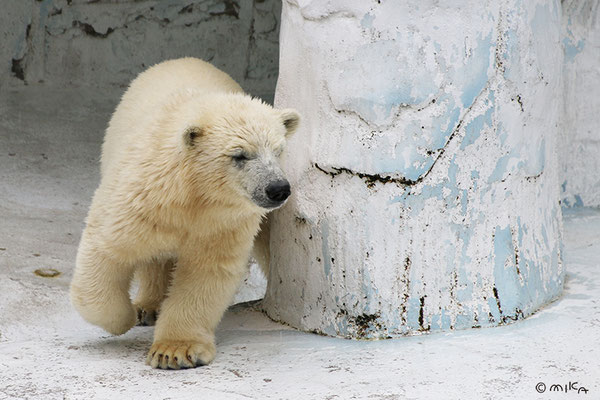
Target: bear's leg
{"x":100,"y":288}
{"x":198,"y":297}
{"x":154,"y":281}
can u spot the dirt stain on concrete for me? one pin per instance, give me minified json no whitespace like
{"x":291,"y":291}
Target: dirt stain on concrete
{"x":47,"y":272}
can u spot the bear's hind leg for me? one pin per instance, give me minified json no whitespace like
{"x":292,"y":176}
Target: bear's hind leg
{"x":100,"y":288}
{"x":154,"y":281}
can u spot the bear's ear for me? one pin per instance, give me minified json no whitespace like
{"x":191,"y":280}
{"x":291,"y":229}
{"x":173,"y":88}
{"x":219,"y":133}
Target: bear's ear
{"x":290,"y":119}
{"x":191,"y":134}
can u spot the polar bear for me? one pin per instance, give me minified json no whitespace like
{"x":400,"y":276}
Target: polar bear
{"x":189,"y":170}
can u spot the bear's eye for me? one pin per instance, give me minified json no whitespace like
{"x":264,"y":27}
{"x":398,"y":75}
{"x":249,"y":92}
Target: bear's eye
{"x":240,"y":158}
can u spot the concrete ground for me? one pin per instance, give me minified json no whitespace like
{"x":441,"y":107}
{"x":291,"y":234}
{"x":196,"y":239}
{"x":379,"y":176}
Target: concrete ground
{"x":49,"y":150}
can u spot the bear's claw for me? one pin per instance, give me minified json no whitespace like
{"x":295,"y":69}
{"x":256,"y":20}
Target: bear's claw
{"x":180,"y":355}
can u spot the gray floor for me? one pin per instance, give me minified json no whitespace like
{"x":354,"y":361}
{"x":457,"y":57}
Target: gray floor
{"x":49,"y":148}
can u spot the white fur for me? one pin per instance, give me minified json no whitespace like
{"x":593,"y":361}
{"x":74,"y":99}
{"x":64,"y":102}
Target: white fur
{"x":174,"y":209}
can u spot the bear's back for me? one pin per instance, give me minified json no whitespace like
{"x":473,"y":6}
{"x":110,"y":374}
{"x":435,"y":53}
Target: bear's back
{"x":148,"y":94}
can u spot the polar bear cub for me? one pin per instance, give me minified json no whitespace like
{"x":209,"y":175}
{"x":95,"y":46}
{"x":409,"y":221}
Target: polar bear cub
{"x":189,"y":169}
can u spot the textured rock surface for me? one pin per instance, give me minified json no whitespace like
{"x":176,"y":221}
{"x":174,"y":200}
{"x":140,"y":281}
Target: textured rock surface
{"x":580,"y":149}
{"x":426,"y":173}
{"x":101,"y":42}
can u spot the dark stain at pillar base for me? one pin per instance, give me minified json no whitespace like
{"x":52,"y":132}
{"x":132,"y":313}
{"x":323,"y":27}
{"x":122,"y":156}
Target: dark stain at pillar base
{"x":422,"y":316}
{"x":498,"y":301}
{"x":365,"y":322}
{"x":518,"y":315}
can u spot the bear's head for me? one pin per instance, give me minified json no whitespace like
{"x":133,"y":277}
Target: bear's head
{"x":233,"y":144}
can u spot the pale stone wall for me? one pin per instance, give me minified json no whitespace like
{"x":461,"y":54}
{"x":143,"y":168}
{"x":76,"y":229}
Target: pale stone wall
{"x":102,"y":42}
{"x":580,"y":140}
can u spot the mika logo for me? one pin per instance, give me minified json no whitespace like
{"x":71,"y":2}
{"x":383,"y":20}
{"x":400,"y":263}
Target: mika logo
{"x":567,"y":387}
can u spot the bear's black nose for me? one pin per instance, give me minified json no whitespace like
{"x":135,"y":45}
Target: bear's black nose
{"x":278,"y":191}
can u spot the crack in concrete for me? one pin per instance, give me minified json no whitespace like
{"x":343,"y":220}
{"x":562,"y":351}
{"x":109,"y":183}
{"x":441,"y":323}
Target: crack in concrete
{"x":371,"y":179}
{"x":396,"y":115}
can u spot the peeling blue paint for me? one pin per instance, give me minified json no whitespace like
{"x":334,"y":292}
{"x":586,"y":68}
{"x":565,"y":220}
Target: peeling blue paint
{"x":500,"y":170}
{"x":475,"y":72}
{"x":367,"y":21}
{"x":511,"y":56}
{"x":474,"y":128}
{"x":475,"y":179}
{"x":463,"y":321}
{"x":395,"y":199}
{"x":389,"y":85}
{"x":572,"y":49}
{"x":443,"y":126}
{"x":501,"y":133}
{"x":412,"y":313}
{"x":464,"y":201}
{"x":416,"y":162}
{"x":494,"y":310}
{"x":441,"y":321}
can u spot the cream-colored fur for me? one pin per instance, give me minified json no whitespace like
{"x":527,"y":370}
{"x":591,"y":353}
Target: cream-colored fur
{"x":178,"y":207}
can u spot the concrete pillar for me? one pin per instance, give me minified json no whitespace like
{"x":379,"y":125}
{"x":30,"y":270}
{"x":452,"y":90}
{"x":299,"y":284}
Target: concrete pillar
{"x":424,"y":174}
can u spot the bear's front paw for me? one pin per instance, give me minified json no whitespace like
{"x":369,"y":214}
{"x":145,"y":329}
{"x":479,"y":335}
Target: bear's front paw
{"x":146,"y":316}
{"x":167,"y":354}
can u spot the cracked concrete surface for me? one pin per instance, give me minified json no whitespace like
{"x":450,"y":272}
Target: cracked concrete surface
{"x":49,"y":150}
